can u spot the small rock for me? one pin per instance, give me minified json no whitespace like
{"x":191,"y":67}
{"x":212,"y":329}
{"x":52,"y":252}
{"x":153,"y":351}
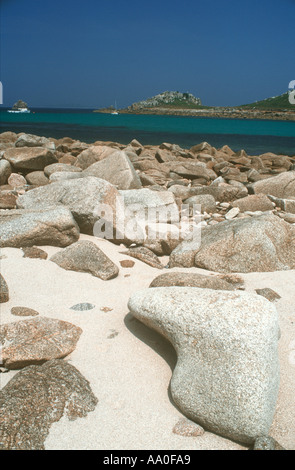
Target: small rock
{"x":106,"y":309}
{"x":24,"y":312}
{"x":232,"y":213}
{"x":34,"y":252}
{"x":83,"y":307}
{"x":185,"y":427}
{"x":86,"y":257}
{"x":127,"y":263}
{"x":225,"y":205}
{"x":4,"y":292}
{"x":16,"y":181}
{"x":269,"y":294}
{"x":191,"y":280}
{"x":37,"y":178}
{"x":145,"y":255}
{"x":234,"y":279}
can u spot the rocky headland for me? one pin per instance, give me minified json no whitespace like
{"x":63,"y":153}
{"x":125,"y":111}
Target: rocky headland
{"x":175,"y":103}
{"x":134,"y":267}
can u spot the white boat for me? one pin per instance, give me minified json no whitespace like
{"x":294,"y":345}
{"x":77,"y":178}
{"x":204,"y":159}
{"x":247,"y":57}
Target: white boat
{"x":20,"y":110}
{"x":115,"y":112}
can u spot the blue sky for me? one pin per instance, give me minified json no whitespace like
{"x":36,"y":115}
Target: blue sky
{"x":91,"y":53}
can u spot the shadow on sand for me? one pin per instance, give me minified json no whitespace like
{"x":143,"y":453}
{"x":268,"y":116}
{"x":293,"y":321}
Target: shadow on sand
{"x":155,"y":341}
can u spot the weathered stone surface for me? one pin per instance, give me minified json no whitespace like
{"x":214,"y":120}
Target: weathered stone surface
{"x":5,"y":171}
{"x":233,"y":174}
{"x":230,"y":215}
{"x":224,"y":192}
{"x":183,"y":191}
{"x":24,"y":312}
{"x":255,"y":202}
{"x":185,"y":427}
{"x":274,"y":161}
{"x":227,"y":374}
{"x":57,"y":167}
{"x":287,"y":217}
{"x":206,"y":201}
{"x":68,"y":158}
{"x":281,"y":186}
{"x":117,"y":169}
{"x":192,"y":170}
{"x":38,"y":396}
{"x":267,"y":443}
{"x":28,"y":140}
{"x":93,"y":154}
{"x":82,"y":197}
{"x":37,"y":178}
{"x":85,"y":256}
{"x":142,"y":210}
{"x":202,"y":147}
{"x":258,"y":244}
{"x":8,"y":136}
{"x":29,"y":158}
{"x":269,"y":294}
{"x":36,"y":340}
{"x":287,"y":205}
{"x":191,"y":280}
{"x":160,"y":204}
{"x":64,"y":175}
{"x":34,"y":252}
{"x":145,"y":255}
{"x":4,"y":292}
{"x":16,"y":181}
{"x":7,"y":200}
{"x":162,"y":239}
{"x":184,"y":254}
{"x":21,"y":228}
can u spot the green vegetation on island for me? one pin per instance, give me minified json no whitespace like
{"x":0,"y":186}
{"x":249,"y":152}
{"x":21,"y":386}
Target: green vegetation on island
{"x":277,"y":103}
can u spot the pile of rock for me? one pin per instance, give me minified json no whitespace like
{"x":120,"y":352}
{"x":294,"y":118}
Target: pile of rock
{"x":227,"y":376}
{"x":36,"y":172}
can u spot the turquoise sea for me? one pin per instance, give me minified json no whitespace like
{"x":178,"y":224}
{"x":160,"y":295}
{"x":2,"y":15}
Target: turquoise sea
{"x":255,"y":136}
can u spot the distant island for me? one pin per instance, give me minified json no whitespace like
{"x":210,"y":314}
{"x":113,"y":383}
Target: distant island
{"x":186,"y":104}
{"x":19,"y":107}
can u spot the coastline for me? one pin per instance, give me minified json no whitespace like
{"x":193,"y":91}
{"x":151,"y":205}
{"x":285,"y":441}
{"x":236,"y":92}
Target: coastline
{"x":223,"y":113}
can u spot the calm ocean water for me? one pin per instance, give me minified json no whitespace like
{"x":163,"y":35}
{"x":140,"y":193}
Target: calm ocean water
{"x":255,"y":136}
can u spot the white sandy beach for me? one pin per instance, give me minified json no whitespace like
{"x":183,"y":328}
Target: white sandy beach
{"x":129,"y":366}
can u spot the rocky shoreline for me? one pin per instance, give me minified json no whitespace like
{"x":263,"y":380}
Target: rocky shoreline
{"x":224,"y":113}
{"x":223,"y":234}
